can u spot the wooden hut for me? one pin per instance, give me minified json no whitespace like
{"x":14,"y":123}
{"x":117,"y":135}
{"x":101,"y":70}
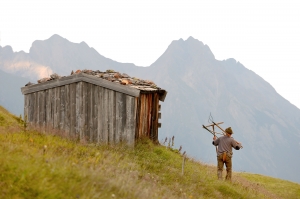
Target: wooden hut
{"x":95,"y":107}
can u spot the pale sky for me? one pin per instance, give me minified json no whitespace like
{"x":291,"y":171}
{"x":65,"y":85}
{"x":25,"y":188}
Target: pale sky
{"x":263,"y":35}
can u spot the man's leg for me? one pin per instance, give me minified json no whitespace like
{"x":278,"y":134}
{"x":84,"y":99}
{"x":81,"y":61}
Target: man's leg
{"x":220,"y":166}
{"x":228,"y":164}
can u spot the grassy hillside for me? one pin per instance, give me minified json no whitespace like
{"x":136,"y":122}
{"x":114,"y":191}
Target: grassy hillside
{"x":36,"y":165}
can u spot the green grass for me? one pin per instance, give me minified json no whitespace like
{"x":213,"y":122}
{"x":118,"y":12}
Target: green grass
{"x":282,"y":188}
{"x":9,"y":120}
{"x":37,"y":165}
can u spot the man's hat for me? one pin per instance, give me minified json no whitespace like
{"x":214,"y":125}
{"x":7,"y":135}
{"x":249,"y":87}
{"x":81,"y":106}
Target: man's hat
{"x":229,"y":130}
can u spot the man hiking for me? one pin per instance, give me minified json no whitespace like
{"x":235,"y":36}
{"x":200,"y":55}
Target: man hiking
{"x":224,"y":153}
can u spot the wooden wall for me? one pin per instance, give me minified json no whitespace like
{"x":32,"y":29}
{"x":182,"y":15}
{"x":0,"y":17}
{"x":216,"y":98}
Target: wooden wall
{"x":147,"y":116}
{"x":88,"y":112}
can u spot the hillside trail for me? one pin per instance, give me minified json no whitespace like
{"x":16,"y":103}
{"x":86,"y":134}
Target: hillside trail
{"x":248,"y":185}
{"x":255,"y":187}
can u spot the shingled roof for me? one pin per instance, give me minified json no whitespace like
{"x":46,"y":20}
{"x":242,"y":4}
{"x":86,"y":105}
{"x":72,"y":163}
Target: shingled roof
{"x":109,"y":79}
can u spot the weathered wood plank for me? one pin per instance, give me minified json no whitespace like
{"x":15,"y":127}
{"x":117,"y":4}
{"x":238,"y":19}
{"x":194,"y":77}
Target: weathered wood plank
{"x":50,"y":84}
{"x":37,"y":120}
{"x":48,"y":109}
{"x":55,"y":119}
{"x":137,"y":128}
{"x":26,"y":107}
{"x":120,"y":108}
{"x":40,"y":111}
{"x":130,"y":122}
{"x":145,"y":133}
{"x":73,"y":110}
{"x":57,"y":108}
{"x":81,"y":77}
{"x":79,"y":116}
{"x":145,"y":113}
{"x":32,"y":109}
{"x":105,"y":116}
{"x":47,"y":101}
{"x":100,"y":115}
{"x":85,"y":102}
{"x":52,"y":102}
{"x":149,"y":114}
{"x":141,"y":121}
{"x":153,"y":115}
{"x":29,"y":108}
{"x":156,"y":116}
{"x":111,"y":119}
{"x":134,"y":112}
{"x":114,"y":114}
{"x":67,"y":110}
{"x":142,"y":116}
{"x":36,"y":108}
{"x":62,"y":108}
{"x":89,"y":109}
{"x":42,"y":107}
{"x":95,"y":112}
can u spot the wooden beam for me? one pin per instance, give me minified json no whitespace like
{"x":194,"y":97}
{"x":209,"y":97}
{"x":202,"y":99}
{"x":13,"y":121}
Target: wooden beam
{"x":110,"y":85}
{"x":214,"y":124}
{"x":217,"y":132}
{"x":220,"y":127}
{"x":162,"y":95}
{"x":85,"y":78}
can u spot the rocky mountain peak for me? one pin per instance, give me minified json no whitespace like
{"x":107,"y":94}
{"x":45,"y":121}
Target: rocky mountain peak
{"x":190,"y":49}
{"x":6,"y":49}
{"x":54,"y":40}
{"x":56,"y":37}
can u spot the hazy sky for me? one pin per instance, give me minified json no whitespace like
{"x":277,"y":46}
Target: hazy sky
{"x":263,"y":35}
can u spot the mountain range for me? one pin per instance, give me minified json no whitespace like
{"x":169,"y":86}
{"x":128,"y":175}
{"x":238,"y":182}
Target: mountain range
{"x":198,"y":86}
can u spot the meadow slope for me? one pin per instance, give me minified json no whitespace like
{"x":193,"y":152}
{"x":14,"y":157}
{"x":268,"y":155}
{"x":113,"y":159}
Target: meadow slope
{"x":42,"y":165}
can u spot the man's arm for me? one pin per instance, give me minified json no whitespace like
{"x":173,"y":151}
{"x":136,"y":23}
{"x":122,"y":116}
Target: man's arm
{"x":215,"y":141}
{"x":236,"y":145}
